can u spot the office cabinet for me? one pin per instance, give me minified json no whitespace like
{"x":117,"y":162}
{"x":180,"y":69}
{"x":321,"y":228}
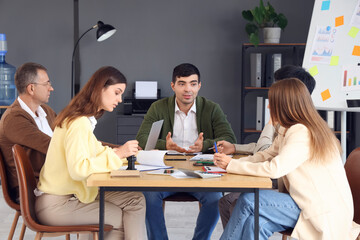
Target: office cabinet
{"x":127,"y":127}
{"x":258,"y":66}
{"x":256,"y":82}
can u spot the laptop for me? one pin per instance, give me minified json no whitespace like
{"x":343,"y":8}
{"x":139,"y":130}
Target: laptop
{"x":153,"y":135}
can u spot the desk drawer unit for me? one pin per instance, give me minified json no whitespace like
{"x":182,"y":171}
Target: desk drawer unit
{"x":127,"y":127}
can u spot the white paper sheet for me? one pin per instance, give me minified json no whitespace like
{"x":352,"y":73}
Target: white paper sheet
{"x":146,"y":89}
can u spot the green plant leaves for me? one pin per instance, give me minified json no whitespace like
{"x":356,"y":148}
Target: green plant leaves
{"x":282,"y":23}
{"x":248,"y":15}
{"x":262,"y":16}
{"x":251,"y":28}
{"x":254,"y":39}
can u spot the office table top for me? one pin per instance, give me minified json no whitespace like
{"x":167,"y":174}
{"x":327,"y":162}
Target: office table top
{"x":227,"y":181}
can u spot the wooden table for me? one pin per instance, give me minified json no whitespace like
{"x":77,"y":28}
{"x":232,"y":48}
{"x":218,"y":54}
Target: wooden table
{"x":148,"y":182}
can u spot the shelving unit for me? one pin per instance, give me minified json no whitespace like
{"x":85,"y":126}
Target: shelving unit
{"x":292,"y":53}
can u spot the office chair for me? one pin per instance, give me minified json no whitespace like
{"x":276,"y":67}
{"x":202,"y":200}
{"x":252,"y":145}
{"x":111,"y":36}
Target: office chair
{"x":180,"y":197}
{"x":352,"y":169}
{"x":11,"y":202}
{"x":27,"y":184}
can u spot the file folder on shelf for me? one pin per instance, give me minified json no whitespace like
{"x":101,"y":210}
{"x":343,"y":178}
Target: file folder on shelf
{"x":259,"y":113}
{"x":255,"y":69}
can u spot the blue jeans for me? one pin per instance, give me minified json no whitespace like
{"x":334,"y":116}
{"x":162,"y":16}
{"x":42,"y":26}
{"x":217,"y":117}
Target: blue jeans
{"x":277,"y":212}
{"x":206,"y":221}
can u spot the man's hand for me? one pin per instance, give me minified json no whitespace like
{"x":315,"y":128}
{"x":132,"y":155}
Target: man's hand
{"x":221,"y":160}
{"x":128,"y":149}
{"x":170,"y":145}
{"x":225,"y":147}
{"x":198,"y":145}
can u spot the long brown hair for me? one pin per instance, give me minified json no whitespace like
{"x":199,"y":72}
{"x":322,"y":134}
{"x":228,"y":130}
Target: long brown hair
{"x":290,"y":103}
{"x":88,"y":101}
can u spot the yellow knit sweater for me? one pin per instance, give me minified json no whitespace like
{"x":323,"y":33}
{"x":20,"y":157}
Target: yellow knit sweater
{"x":74,"y":154}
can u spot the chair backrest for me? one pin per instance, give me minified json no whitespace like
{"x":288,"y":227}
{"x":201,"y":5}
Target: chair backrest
{"x":352,"y":168}
{"x":5,"y":185}
{"x":27,"y":184}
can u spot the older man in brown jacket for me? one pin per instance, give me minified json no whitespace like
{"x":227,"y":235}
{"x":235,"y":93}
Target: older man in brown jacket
{"x":28,"y":121}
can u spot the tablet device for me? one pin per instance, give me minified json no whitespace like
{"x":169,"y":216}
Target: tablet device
{"x":153,"y":135}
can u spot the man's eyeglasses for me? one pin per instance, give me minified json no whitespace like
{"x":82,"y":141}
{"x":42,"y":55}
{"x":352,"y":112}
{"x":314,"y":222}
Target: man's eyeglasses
{"x":48,"y":84}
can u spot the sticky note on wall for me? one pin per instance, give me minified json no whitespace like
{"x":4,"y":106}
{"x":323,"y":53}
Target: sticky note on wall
{"x":325,"y":95}
{"x":334,"y":61}
{"x":353,"y":32}
{"x":325,"y":5}
{"x":356,"y":51}
{"x":313,"y":71}
{"x":339,"y":21}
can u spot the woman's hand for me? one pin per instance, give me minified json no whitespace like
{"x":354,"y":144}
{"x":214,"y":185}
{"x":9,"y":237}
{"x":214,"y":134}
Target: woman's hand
{"x":221,"y":160}
{"x":128,"y":149}
{"x":225,"y":147}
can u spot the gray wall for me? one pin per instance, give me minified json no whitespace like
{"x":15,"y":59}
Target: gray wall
{"x":152,"y":37}
{"x":41,"y":31}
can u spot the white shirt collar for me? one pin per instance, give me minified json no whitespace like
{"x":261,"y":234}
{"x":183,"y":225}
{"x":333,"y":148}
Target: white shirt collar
{"x":40,"y":111}
{"x":193,"y":107}
{"x":93,"y":122}
{"x":40,"y":120}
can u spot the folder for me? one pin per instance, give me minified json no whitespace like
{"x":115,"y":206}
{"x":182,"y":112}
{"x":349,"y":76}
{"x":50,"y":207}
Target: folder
{"x":266,"y":112}
{"x":255,"y":69}
{"x":273,"y":63}
{"x":259,"y":113}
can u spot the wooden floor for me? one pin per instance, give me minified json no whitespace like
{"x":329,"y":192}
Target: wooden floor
{"x":180,"y":221}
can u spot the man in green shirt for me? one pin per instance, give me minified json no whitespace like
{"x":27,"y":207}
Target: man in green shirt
{"x":191,"y":124}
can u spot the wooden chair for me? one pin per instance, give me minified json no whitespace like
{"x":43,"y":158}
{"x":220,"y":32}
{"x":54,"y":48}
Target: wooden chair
{"x":180,"y":197}
{"x":11,"y":202}
{"x":27,"y":184}
{"x":352,"y":168}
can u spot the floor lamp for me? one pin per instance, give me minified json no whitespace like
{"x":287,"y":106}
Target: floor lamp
{"x":104,"y":32}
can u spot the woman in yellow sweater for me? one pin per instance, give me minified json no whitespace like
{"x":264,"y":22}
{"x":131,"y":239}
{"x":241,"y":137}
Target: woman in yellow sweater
{"x":306,"y":156}
{"x":74,"y":154}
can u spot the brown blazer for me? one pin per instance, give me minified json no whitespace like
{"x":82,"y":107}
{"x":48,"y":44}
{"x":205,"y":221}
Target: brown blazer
{"x":18,"y":127}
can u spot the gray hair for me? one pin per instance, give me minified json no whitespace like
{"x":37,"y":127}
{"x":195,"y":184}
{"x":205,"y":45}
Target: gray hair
{"x":26,"y":74}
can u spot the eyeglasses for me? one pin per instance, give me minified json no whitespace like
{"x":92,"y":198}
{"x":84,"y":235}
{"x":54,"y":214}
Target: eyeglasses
{"x":48,"y":84}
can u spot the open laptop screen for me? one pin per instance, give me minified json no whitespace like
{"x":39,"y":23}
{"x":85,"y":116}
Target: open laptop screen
{"x":153,"y":135}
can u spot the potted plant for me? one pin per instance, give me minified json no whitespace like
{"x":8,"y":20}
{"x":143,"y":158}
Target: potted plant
{"x":264,"y":17}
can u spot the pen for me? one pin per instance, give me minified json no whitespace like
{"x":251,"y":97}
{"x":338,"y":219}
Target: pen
{"x":211,"y":148}
{"x":216,"y":150}
{"x":175,"y":159}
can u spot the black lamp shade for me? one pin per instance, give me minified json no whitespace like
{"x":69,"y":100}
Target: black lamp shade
{"x":104,"y":31}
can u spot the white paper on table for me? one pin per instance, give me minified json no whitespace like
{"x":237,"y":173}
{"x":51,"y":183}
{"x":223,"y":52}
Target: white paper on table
{"x":149,"y":160}
{"x":200,"y":157}
{"x":179,"y":174}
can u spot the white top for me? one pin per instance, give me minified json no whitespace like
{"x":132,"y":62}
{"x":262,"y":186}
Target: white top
{"x":93,"y":122}
{"x":185,"y":130}
{"x":40,"y":120}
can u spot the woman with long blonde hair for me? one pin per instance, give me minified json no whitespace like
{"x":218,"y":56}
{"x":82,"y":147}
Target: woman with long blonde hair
{"x":74,"y":154}
{"x":317,"y":200}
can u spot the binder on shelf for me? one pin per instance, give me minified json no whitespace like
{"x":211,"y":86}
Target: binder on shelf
{"x":331,"y":119}
{"x":259,"y":113}
{"x":255,"y":69}
{"x":266,"y":112}
{"x":273,"y":63}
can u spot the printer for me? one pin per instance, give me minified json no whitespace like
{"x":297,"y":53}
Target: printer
{"x":143,"y":95}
